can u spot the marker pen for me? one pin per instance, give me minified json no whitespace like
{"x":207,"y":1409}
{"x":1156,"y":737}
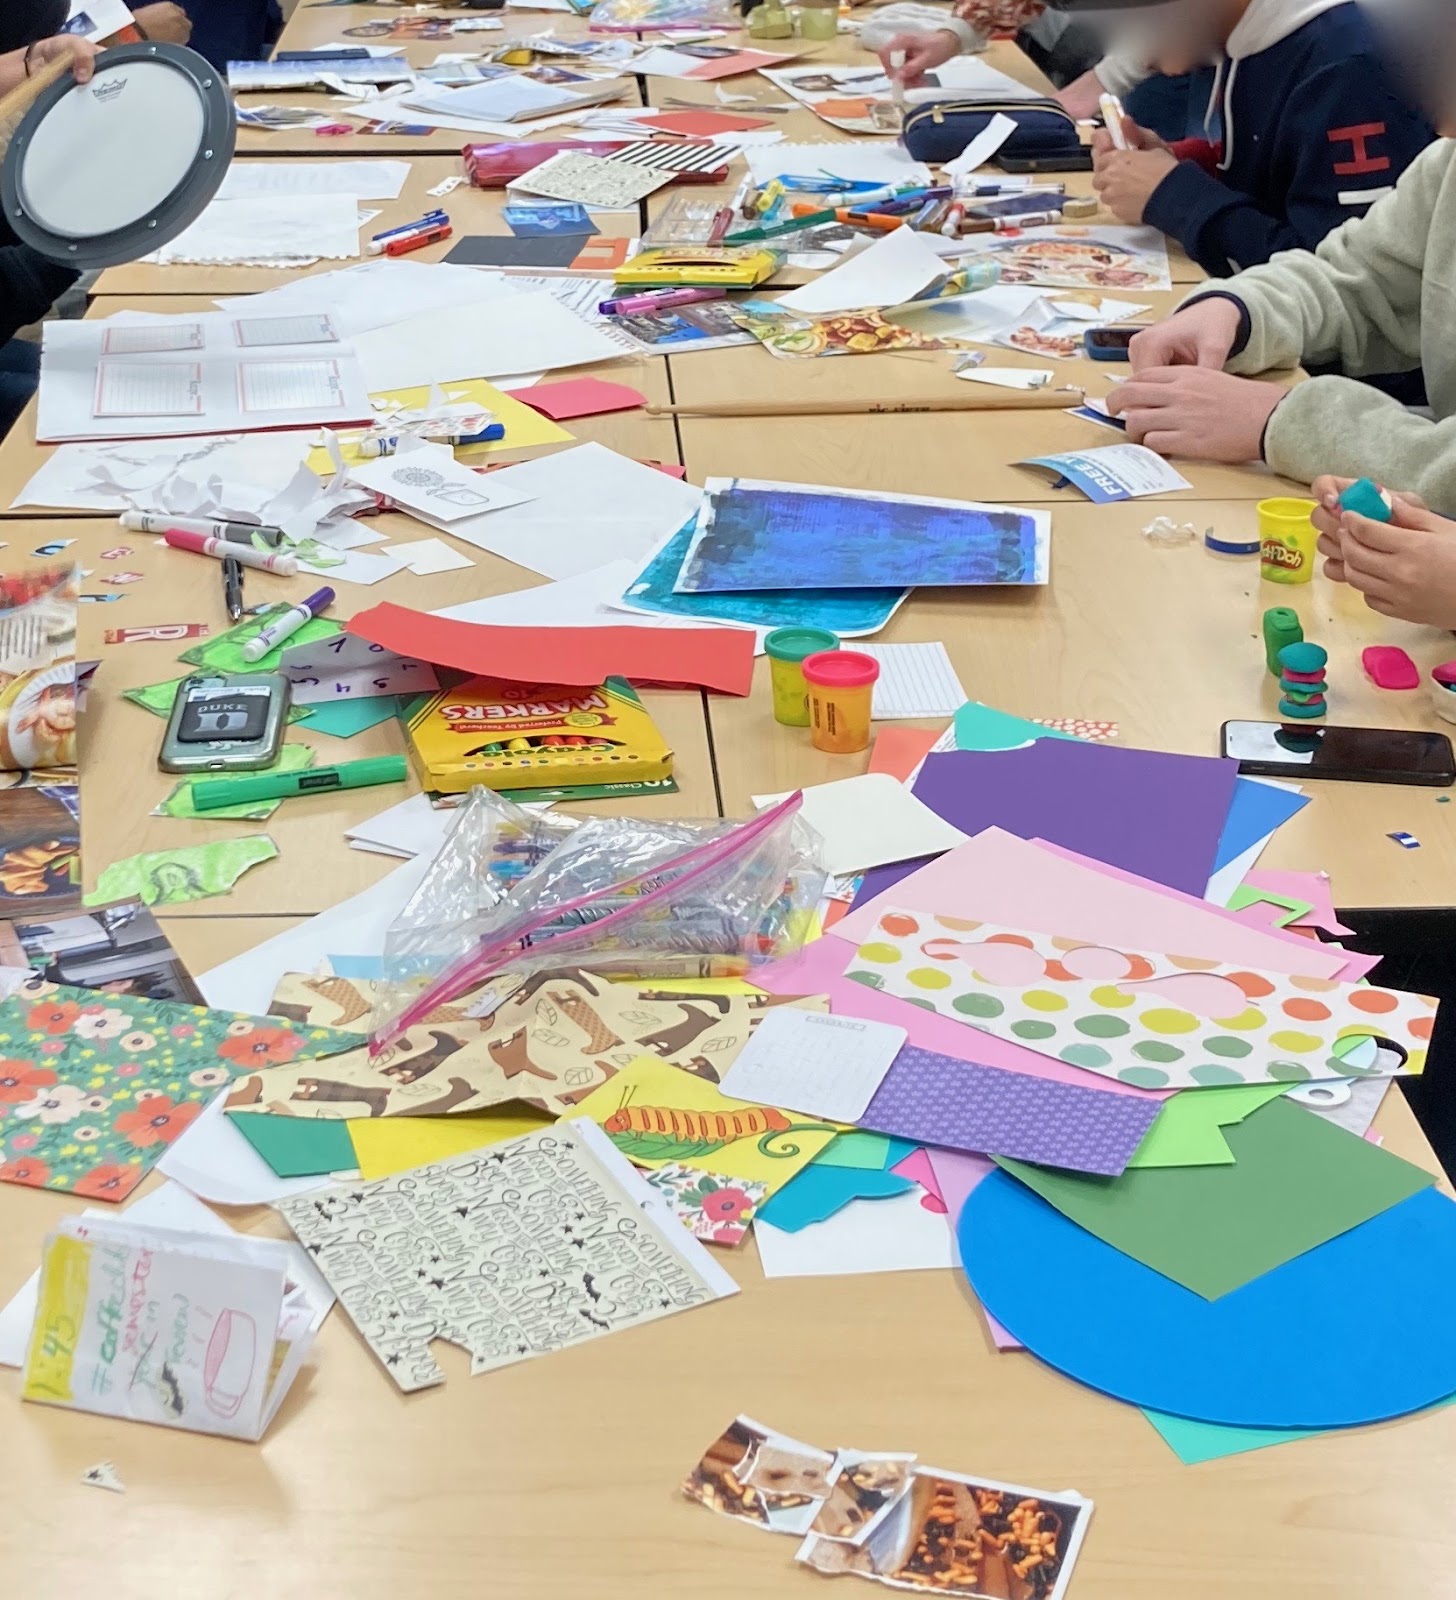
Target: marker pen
{"x":388,"y":444}
{"x":216,"y":527}
{"x":437,"y":215}
{"x":220,"y":550}
{"x":287,"y":625}
{"x":1112,"y":115}
{"x":418,"y":241}
{"x":626,"y":304}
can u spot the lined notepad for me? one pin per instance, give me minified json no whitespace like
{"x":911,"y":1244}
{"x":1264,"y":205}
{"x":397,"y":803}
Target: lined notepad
{"x":916,"y":680}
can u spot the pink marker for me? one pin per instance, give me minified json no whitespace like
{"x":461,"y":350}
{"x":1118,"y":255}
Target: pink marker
{"x":203,"y":544}
{"x":658,"y":300}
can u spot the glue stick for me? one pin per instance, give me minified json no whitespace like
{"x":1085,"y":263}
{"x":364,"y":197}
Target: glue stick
{"x":787,"y":649}
{"x":841,"y":687}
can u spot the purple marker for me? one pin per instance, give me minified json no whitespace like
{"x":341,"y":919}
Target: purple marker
{"x":287,"y":625}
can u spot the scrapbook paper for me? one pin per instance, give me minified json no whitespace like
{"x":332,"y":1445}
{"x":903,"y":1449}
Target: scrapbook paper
{"x":869,"y":820}
{"x":719,"y":659}
{"x":550,"y":1044}
{"x":916,"y":1166}
{"x":475,"y":1251}
{"x":343,"y":719}
{"x":979,"y":727}
{"x":899,"y":751}
{"x":1296,"y":1182}
{"x":822,"y":1065}
{"x":591,"y":181}
{"x":1157,"y":1021}
{"x":95,"y":1086}
{"x":171,"y":877}
{"x":760,"y":1477}
{"x":896,"y":1234}
{"x":859,"y":1149}
{"x":1026,"y":792}
{"x":817,"y":1193}
{"x":1189,"y":1129}
{"x":715,"y":1210}
{"x":1259,"y":808}
{"x":1311,"y":886}
{"x":941,"y":1101}
{"x":656,"y":1115}
{"x":383,"y":1146}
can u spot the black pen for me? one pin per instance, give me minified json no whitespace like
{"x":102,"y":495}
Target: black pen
{"x":232,"y":588}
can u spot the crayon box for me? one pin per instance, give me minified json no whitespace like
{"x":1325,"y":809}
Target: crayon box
{"x":522,"y":736}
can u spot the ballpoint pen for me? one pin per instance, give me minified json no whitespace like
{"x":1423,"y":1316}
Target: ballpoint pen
{"x":232,"y":588}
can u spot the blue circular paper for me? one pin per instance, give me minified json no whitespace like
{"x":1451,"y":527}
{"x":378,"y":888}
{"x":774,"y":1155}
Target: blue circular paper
{"x":1356,"y":1331}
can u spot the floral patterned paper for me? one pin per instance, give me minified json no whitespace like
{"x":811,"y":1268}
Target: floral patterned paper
{"x":94,"y":1087}
{"x":713,"y":1209}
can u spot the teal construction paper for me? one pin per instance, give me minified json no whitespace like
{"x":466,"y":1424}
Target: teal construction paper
{"x":979,"y":727}
{"x":1196,"y":1442}
{"x":344,"y":718}
{"x":816,"y":1193}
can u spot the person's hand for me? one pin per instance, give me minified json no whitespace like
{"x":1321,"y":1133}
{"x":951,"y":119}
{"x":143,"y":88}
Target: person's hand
{"x":1328,"y":520}
{"x":1201,"y":335}
{"x":1405,"y":568}
{"x":1082,"y":98}
{"x":924,"y":52}
{"x":1126,"y":179}
{"x":164,"y":22}
{"x":81,"y":51}
{"x":1137,"y":136}
{"x":1196,"y":413}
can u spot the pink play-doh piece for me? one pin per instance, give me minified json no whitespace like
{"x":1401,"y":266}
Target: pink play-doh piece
{"x":1445,"y":674}
{"x":1389,"y":667}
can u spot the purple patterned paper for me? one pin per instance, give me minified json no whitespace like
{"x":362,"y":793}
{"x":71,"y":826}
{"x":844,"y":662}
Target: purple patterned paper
{"x":938,"y":1100}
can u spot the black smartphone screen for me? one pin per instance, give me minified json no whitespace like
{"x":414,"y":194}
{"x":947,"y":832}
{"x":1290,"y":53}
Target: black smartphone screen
{"x":1356,"y":755}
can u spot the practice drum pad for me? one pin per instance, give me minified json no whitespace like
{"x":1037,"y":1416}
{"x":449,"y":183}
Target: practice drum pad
{"x":104,"y":172}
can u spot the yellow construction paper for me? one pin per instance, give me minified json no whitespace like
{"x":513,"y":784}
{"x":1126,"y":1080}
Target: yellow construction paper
{"x":656,"y":1114}
{"x":718,"y":986}
{"x":524,"y":427}
{"x":386,"y":1145}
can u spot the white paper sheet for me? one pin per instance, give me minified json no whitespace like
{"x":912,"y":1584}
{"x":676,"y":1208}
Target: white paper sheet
{"x":424,"y":556}
{"x":894,"y":1235}
{"x":895,"y":268}
{"x":266,"y":229}
{"x":591,"y":181}
{"x":590,"y":506}
{"x":1114,"y":472}
{"x":808,"y":1061}
{"x":916,"y":680}
{"x":429,"y":480}
{"x":352,"y":566}
{"x":870,"y":821}
{"x":528,"y":333}
{"x":854,"y":162}
{"x":984,"y":146}
{"x":366,"y":180}
{"x":215,"y":1162}
{"x":510,"y":99}
{"x":411,"y":828}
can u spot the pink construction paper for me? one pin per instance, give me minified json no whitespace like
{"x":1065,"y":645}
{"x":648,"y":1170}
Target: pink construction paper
{"x":956,"y":1174}
{"x":916,"y":1166}
{"x":821,"y":966}
{"x":580,"y":397}
{"x":998,"y":877}
{"x":1311,"y":886}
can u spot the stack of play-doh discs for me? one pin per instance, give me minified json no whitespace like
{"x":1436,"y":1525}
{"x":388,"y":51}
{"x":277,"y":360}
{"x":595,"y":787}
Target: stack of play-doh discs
{"x":1302,"y":680}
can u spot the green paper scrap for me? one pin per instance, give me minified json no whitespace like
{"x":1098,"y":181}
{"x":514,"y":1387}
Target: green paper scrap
{"x":1298,"y":1181}
{"x":158,"y":697}
{"x":979,"y":727}
{"x":869,"y":1152}
{"x":171,"y":877}
{"x":1290,"y":909}
{"x":298,"y":1147}
{"x":224,"y":653}
{"x":1196,"y":1442}
{"x":1189,"y":1129}
{"x":344,"y":718}
{"x":291,"y":758}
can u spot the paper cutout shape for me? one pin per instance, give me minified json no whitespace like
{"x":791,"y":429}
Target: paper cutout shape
{"x":171,"y":877}
{"x":531,"y":1246}
{"x":298,"y":1147}
{"x":1189,"y":1129}
{"x":868,"y":820}
{"x":715,"y":1210}
{"x":760,"y":1477}
{"x":862,"y":1488}
{"x":817,"y":1193}
{"x":657,"y":1115}
{"x":120,"y":947}
{"x":1157,"y":1021}
{"x":104,"y":1476}
{"x":38,"y":663}
{"x":94,"y":1087}
{"x":343,"y":667}
{"x":719,"y":658}
{"x":1113,"y":1324}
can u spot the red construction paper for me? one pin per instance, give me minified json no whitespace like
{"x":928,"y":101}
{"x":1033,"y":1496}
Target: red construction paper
{"x":579,"y":397}
{"x":703,"y":124}
{"x":899,"y":751}
{"x":743,"y":61}
{"x":707,"y":658}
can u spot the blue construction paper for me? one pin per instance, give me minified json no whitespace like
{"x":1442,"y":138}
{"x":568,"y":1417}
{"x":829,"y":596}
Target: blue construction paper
{"x":847,"y":612}
{"x":1293,"y":1349}
{"x":979,"y":727}
{"x":816,"y":1193}
{"x":344,"y":718}
{"x":753,"y":536}
{"x":361,"y":967}
{"x":1257,"y":810}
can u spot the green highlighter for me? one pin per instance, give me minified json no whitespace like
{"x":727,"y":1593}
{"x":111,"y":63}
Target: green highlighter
{"x":211,"y":795}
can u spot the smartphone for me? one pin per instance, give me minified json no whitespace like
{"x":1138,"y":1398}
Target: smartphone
{"x":226,"y":722}
{"x":1353,"y":755}
{"x":1109,"y":344}
{"x":1068,"y":161}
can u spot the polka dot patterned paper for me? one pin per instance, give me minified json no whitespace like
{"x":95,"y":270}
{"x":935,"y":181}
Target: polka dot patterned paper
{"x":1157,"y":1021}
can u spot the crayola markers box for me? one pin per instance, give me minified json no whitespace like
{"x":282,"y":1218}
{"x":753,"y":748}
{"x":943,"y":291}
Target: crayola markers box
{"x":535,"y":736}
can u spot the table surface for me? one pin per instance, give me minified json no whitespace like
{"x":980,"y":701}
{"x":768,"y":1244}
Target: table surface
{"x":362,"y":1491}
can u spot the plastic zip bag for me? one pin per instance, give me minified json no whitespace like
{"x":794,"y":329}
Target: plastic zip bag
{"x":622,"y":896}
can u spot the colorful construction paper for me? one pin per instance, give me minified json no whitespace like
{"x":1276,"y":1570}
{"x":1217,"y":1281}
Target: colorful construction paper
{"x":1296,"y":1182}
{"x":720,"y":659}
{"x":980,"y":727}
{"x":816,"y":1193}
{"x":580,"y":397}
{"x":1189,"y":1129}
{"x":1196,"y":1442}
{"x":345,"y":718}
{"x":1258,"y":809}
{"x":859,"y":1149}
{"x":939,"y":1100}
{"x":1157,"y":1021}
{"x":1092,"y":798}
{"x":386,"y":1145}
{"x":172,"y":877}
{"x":298,"y":1147}
{"x":1295,"y":1348}
{"x":898,"y":751}
{"x":1311,"y":886}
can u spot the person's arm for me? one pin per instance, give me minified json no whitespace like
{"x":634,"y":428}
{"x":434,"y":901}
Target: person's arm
{"x":29,"y":286}
{"x":1223,"y":229}
{"x":18,"y":65}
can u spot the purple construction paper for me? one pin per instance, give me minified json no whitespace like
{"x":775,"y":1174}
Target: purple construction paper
{"x":957,"y":1174}
{"x":939,"y":1100}
{"x":1146,"y":811}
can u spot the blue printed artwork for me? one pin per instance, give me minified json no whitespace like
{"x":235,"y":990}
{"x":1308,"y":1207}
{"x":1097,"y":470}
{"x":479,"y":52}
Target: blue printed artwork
{"x":754,"y":536}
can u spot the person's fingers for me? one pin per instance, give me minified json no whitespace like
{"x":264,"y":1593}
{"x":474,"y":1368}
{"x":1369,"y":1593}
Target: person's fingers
{"x":1406,"y":514}
{"x":1326,"y":524}
{"x":1167,"y":442}
{"x":1386,"y":607}
{"x":1410,"y":498}
{"x":1372,"y":578}
{"x":1328,"y":489}
{"x":1329,"y":545}
{"x":1387,"y":538}
{"x":1138,"y":423}
{"x":1146,"y":392}
{"x":1334,"y":570}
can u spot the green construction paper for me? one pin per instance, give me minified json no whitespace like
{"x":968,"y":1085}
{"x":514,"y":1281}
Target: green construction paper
{"x":298,"y":1147}
{"x":1298,"y":1181}
{"x":170,"y":877}
{"x":1188,"y":1132}
{"x":291,"y":758}
{"x":1291,"y":910}
{"x":158,"y":697}
{"x":344,"y":718}
{"x":979,"y":727}
{"x":870,"y":1152}
{"x":1196,"y":1442}
{"x":224,"y":652}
